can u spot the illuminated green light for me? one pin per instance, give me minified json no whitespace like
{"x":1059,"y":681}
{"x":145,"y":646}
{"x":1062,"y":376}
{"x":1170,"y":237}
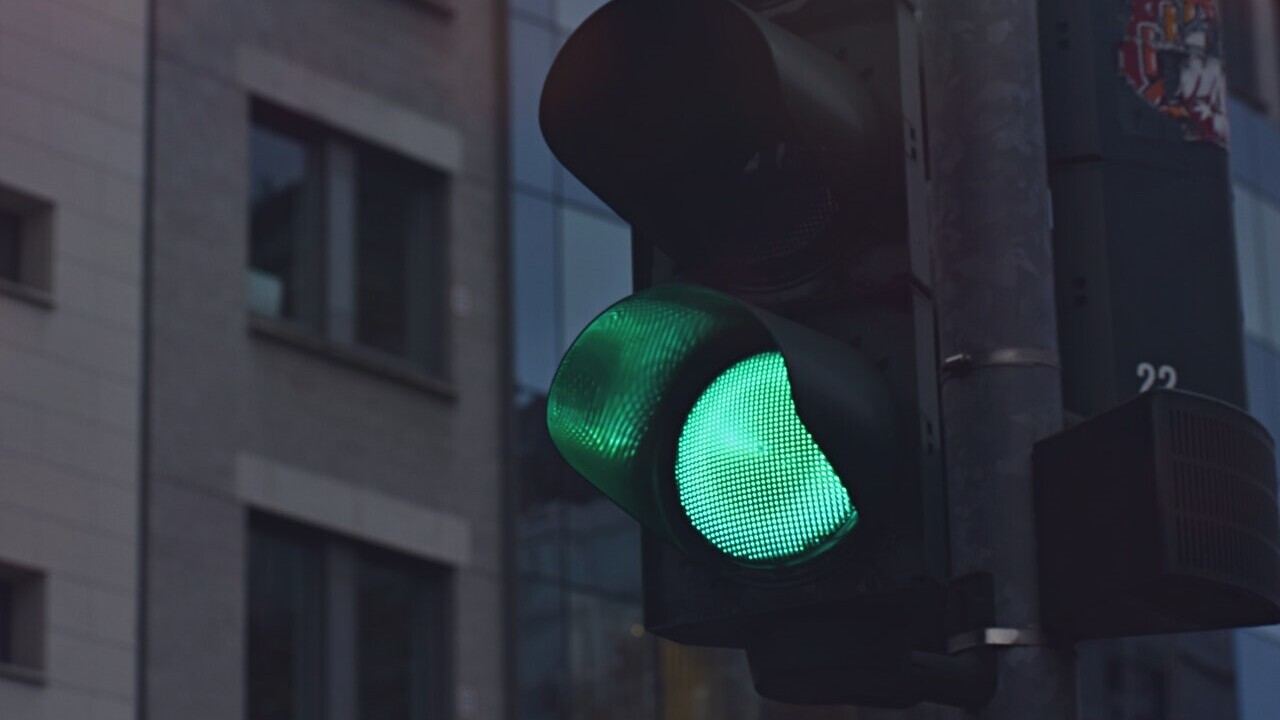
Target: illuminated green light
{"x":612,"y":381}
{"x":750,"y":476}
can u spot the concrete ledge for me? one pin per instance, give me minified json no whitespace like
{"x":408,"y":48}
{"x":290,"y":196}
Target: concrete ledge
{"x":363,"y":514}
{"x":350,"y":109}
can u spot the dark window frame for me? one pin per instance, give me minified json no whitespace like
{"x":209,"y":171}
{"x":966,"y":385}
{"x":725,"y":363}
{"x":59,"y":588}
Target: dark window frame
{"x":292,"y":127}
{"x":31,"y":220}
{"x":338,"y":675}
{"x":306,"y":672}
{"x":425,"y":359}
{"x":1239,"y":54}
{"x":6,"y":623}
{"x":23,"y":617}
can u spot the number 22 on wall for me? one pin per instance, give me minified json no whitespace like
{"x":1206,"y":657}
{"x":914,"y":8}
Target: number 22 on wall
{"x":1149,"y":374}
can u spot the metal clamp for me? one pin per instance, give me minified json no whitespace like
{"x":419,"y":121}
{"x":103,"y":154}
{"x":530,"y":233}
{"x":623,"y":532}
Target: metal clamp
{"x":964,"y":363}
{"x":995,"y":637}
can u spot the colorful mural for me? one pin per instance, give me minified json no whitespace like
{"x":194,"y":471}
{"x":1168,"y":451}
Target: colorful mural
{"x":1172,"y":56}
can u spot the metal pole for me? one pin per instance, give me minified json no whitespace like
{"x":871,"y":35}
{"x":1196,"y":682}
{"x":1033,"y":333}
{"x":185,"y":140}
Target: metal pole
{"x":993,"y":279}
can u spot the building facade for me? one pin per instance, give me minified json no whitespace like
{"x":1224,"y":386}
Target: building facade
{"x":324,"y":406}
{"x":72,"y":169}
{"x":252,"y":395}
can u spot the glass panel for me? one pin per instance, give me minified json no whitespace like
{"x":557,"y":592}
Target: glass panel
{"x":1258,"y":666}
{"x":1150,"y":696}
{"x":283,"y":195}
{"x":1246,"y":126}
{"x":285,"y":627}
{"x":396,"y":613}
{"x":1202,"y":679}
{"x":1269,"y":284}
{"x":542,"y":651}
{"x":396,"y":273}
{"x":610,"y":661}
{"x":6,"y":622}
{"x":10,"y":246}
{"x":539,"y":8}
{"x":604,"y":548}
{"x":540,"y":544}
{"x":571,"y":13}
{"x":595,"y":268}
{"x":1250,"y":260}
{"x":574,"y":190}
{"x":1262,"y":370}
{"x":709,"y":683}
{"x":530,"y":59}
{"x":534,"y":292}
{"x":1237,"y":45}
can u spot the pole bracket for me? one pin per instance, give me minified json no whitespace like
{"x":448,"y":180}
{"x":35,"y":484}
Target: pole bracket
{"x":995,"y":637}
{"x":963,"y":363}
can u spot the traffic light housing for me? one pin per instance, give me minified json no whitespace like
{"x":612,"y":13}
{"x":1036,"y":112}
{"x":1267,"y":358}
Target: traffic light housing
{"x":729,"y":432}
{"x":766,"y":404}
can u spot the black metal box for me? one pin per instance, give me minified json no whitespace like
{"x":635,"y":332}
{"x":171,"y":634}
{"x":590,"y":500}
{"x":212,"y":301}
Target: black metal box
{"x":1158,"y":516}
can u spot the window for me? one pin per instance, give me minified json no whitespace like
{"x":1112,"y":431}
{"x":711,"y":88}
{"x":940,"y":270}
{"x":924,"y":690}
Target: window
{"x":10,"y":246}
{"x":25,"y":224}
{"x":399,"y":638}
{"x":1238,"y":48}
{"x":338,"y":629}
{"x":286,"y":625}
{"x":345,"y":242}
{"x":22,"y":623}
{"x":6,"y":612}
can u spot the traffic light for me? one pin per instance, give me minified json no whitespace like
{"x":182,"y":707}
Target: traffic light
{"x":733,"y":434}
{"x":765,"y":404}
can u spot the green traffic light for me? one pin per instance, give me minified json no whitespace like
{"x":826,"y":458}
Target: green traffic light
{"x":605,"y":398}
{"x":750,"y":476}
{"x":699,"y":415}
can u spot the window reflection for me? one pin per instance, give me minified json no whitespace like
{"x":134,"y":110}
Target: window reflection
{"x":6,"y":620}
{"x":542,"y":649}
{"x":610,"y":665}
{"x":283,"y":190}
{"x":347,"y":241}
{"x":285,"y":626}
{"x":10,"y":246}
{"x":397,"y":264}
{"x":340,"y":629}
{"x":705,"y":683}
{"x":595,"y":267}
{"x":534,"y":291}
{"x":532,"y":46}
{"x":395,"y":607}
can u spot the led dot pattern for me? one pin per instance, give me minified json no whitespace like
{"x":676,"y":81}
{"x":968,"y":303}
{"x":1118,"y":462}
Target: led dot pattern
{"x":612,"y":381}
{"x":750,"y":476}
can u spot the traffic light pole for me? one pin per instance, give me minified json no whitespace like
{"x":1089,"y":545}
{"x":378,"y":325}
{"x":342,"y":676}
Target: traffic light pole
{"x":993,"y":283}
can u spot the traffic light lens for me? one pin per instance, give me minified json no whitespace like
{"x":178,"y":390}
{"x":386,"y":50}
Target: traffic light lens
{"x":750,"y":476}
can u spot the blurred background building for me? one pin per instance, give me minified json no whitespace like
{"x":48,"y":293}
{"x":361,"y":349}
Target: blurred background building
{"x":73,"y":128}
{"x":251,"y":360}
{"x":1253,"y":73}
{"x":282,"y":287}
{"x":323,"y":447}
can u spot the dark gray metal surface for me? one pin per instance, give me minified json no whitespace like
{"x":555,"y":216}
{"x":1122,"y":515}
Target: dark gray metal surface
{"x":993,"y":280}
